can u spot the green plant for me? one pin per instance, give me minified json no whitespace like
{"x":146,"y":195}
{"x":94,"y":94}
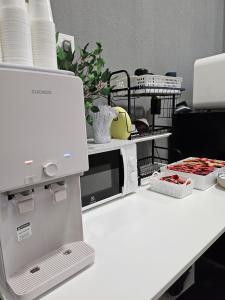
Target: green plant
{"x":89,"y":66}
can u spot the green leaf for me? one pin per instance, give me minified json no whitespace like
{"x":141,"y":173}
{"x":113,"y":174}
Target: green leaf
{"x":70,"y":55}
{"x":81,"y":66}
{"x":94,"y":109}
{"x":85,"y":47}
{"x":95,"y":73}
{"x":89,"y":120}
{"x":88,"y":104}
{"x":91,"y":77}
{"x":90,"y":69}
{"x":82,"y":77}
{"x":105,"y":75}
{"x":97,"y":51}
{"x":61,"y":54}
{"x":99,"y":45}
{"x":100,"y":61}
{"x":106,"y":91}
{"x":73,"y":68}
{"x":98,"y":68}
{"x":92,"y":88}
{"x":93,"y":55}
{"x":67,"y":65}
{"x":83,"y":52}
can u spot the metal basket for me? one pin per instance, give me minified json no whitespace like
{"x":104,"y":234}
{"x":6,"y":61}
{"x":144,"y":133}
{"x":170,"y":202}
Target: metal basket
{"x":146,"y":168}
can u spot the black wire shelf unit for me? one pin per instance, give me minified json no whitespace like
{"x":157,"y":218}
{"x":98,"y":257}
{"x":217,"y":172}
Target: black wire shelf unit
{"x":168,"y":97}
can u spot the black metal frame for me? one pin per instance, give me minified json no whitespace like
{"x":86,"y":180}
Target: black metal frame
{"x":128,"y":88}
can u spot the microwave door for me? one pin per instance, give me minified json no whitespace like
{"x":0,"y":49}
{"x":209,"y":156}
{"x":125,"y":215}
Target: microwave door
{"x":104,"y":179}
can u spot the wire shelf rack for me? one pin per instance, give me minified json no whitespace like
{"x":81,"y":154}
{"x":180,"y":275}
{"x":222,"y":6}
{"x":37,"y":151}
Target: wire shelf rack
{"x":167,"y":97}
{"x":146,"y":168}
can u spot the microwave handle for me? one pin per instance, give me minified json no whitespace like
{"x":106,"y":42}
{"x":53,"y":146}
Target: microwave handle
{"x":129,"y":157}
{"x":124,"y":168}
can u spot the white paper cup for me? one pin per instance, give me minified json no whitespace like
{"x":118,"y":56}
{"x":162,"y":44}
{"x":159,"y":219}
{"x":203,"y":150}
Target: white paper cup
{"x":18,"y":61}
{"x":1,"y":56}
{"x":40,"y":9}
{"x":15,"y":3}
{"x":44,"y":44}
{"x":15,"y":35}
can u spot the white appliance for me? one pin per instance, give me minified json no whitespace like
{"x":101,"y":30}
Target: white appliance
{"x":43,"y":153}
{"x":112,"y":172}
{"x":209,"y":82}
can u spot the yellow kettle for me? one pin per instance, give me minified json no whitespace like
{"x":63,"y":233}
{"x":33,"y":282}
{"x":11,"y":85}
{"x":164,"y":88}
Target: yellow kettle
{"x":121,"y":126}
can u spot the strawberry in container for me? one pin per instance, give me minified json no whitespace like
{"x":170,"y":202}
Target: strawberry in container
{"x":202,"y":170}
{"x":205,"y":162}
{"x":175,"y":179}
{"x":171,"y":185}
{"x":198,"y":169}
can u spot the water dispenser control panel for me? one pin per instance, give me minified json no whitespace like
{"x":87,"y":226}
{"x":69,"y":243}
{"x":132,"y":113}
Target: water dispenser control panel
{"x":40,"y":140}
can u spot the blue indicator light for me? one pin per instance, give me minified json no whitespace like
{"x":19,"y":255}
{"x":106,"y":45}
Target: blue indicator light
{"x":67,"y":155}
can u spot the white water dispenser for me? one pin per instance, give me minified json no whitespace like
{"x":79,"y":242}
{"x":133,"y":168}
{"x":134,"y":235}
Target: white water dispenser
{"x":43,"y":153}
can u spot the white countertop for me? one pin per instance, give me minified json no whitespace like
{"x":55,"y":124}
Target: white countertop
{"x":143,"y":243}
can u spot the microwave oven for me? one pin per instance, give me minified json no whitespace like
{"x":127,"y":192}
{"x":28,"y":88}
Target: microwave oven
{"x":112,"y":172}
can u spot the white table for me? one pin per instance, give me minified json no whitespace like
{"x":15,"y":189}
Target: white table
{"x":143,"y":243}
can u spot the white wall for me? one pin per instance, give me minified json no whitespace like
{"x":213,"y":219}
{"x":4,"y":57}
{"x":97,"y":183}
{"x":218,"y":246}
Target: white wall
{"x":161,"y":35}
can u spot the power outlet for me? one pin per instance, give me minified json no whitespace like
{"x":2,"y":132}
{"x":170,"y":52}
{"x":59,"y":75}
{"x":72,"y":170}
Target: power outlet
{"x":65,"y":41}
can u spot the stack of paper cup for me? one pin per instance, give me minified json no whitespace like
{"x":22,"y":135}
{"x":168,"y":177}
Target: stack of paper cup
{"x":18,"y":3}
{"x":43,"y":34}
{"x":1,"y":57}
{"x":15,"y":33}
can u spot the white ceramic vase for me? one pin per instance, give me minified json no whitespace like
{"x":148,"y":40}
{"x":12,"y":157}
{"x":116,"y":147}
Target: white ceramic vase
{"x":102,"y":121}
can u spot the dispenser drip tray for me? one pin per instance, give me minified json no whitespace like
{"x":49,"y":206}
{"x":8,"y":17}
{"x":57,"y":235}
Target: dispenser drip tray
{"x":51,"y":269}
